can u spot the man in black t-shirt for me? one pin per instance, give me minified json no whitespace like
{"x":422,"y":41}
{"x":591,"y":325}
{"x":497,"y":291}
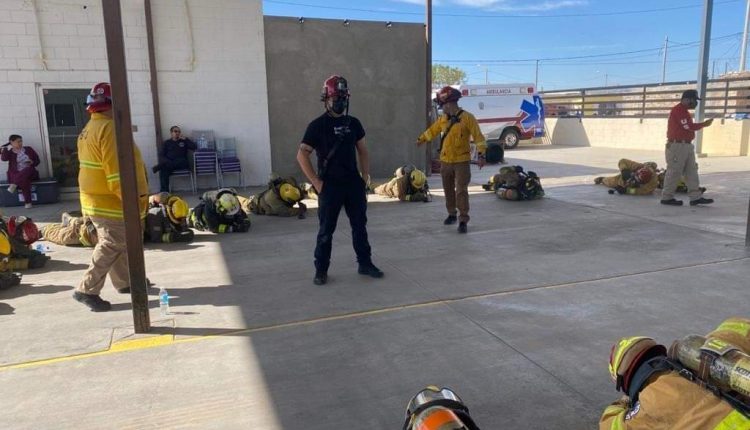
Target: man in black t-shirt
{"x":173,"y":156}
{"x":338,"y":139}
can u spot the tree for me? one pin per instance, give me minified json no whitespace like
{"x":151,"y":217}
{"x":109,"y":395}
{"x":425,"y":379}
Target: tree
{"x":443,"y":75}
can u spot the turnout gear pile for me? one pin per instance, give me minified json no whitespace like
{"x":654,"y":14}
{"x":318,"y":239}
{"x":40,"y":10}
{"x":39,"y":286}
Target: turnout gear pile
{"x":219,"y":212}
{"x":278,"y":199}
{"x":635,"y":178}
{"x":8,"y":279}
{"x":437,"y":409}
{"x":21,"y":232}
{"x":681,"y":185}
{"x":408,"y":185}
{"x":73,"y":230}
{"x":698,"y":383}
{"x":166,"y":220}
{"x":513,"y":183}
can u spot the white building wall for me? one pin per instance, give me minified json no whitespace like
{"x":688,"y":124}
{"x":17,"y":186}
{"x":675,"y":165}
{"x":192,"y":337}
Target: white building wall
{"x":214,"y":80}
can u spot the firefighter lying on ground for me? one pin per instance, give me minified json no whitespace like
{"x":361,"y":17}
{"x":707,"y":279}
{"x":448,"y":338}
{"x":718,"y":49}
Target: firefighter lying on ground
{"x":219,"y":212}
{"x":437,"y":409}
{"x":408,"y":185}
{"x":635,"y":178}
{"x":74,"y":229}
{"x":681,"y":185}
{"x":278,"y":199}
{"x":513,"y":183}
{"x":8,"y":278}
{"x":21,"y":232}
{"x":700,"y":383}
{"x":166,"y":219}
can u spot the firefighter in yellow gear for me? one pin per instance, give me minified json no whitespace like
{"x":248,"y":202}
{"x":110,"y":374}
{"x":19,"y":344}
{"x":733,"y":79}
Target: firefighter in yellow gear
{"x":676,"y":389}
{"x":101,"y":199}
{"x":634,"y":178}
{"x":166,"y":220}
{"x":8,"y":278}
{"x":74,"y":229}
{"x":21,"y":232}
{"x":279,"y":199}
{"x":409,"y":184}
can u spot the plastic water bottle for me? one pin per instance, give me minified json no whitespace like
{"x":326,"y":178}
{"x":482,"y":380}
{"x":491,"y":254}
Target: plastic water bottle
{"x":41,"y":248}
{"x":163,"y":301}
{"x":202,"y":142}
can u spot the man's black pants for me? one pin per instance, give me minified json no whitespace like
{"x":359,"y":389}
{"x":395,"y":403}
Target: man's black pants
{"x":351,"y":195}
{"x":167,"y":167}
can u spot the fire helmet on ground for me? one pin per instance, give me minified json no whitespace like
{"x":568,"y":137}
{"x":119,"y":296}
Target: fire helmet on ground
{"x":177,"y":209}
{"x":5,"y":247}
{"x":418,"y":178}
{"x":289,"y":193}
{"x":228,"y":204}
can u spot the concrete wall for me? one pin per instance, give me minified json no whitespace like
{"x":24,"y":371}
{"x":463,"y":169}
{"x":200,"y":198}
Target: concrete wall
{"x":214,"y":80}
{"x":385,"y":68}
{"x":729,"y":138}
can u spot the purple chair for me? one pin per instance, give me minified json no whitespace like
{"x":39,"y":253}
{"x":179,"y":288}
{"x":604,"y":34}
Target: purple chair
{"x":204,"y":163}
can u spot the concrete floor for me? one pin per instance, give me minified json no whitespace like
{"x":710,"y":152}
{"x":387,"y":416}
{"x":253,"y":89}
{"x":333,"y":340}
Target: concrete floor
{"x":518,"y":316}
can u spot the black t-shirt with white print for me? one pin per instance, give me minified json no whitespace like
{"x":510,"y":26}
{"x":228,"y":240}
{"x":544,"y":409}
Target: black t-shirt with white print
{"x":322,"y":134}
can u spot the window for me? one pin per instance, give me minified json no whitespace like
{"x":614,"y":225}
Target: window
{"x":61,"y":115}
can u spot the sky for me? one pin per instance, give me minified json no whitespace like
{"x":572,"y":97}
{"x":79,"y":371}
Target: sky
{"x":499,"y":41}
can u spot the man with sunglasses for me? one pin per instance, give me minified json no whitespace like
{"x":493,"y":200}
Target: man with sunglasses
{"x":173,"y":156}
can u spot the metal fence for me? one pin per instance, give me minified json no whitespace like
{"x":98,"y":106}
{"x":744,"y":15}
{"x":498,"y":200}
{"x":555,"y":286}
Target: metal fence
{"x":725,"y":97}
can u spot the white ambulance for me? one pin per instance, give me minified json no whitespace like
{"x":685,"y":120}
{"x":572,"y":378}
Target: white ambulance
{"x":507,"y":113}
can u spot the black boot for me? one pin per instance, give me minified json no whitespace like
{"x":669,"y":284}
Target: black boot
{"x":672,"y":202}
{"x":701,"y":201}
{"x":370,"y":270}
{"x":94,"y":302}
{"x":462,"y":227}
{"x":450,"y":220}
{"x":320,"y":278}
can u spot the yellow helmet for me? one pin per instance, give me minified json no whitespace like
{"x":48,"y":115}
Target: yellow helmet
{"x":418,"y":179}
{"x":289,"y":193}
{"x":228,"y":204}
{"x":627,"y":354}
{"x":177,"y":209}
{"x":5,"y":247}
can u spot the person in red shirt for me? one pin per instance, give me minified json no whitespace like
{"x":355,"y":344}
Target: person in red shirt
{"x":22,"y":162}
{"x":680,"y":152}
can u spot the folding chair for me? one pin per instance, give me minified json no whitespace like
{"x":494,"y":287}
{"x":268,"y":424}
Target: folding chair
{"x":204,"y":163}
{"x":228,"y":161}
{"x":182,"y":173}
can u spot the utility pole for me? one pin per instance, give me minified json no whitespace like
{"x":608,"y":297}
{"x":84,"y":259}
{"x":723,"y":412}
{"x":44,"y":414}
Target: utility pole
{"x":743,"y":55}
{"x":606,"y":79}
{"x":664,"y":60}
{"x":713,"y":70}
{"x":118,"y":78}
{"x":486,"y":75}
{"x":536,"y":79}
{"x":428,"y":71}
{"x":708,"y":8}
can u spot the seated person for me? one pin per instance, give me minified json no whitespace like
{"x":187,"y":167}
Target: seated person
{"x":73,"y":230}
{"x":173,"y":156}
{"x":8,"y":278}
{"x":22,"y":232}
{"x":166,"y":219}
{"x":219,"y":212}
{"x":513,"y":183}
{"x":279,"y":199}
{"x":698,"y":383}
{"x":408,"y":185}
{"x":634,"y":178}
{"x":22,"y":162}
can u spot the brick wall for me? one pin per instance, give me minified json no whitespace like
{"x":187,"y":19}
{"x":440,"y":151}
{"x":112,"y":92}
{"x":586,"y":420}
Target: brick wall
{"x":214,"y":80}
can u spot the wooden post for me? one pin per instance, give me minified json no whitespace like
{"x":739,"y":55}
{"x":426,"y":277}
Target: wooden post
{"x":125,"y":156}
{"x":152,"y":70}
{"x":428,"y":64}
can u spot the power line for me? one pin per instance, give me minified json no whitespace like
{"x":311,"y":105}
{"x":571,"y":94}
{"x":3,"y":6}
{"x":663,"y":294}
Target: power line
{"x":578,"y":57}
{"x":476,"y":15}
